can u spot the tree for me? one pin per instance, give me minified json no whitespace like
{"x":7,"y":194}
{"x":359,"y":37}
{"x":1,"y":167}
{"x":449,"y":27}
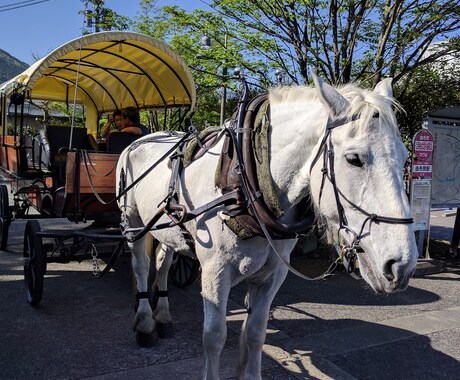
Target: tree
{"x":147,"y":20}
{"x":211,"y":68}
{"x":427,"y":89}
{"x":344,"y":40}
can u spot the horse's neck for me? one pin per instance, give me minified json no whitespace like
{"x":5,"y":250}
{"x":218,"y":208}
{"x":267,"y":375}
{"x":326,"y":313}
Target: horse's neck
{"x":296,"y":130}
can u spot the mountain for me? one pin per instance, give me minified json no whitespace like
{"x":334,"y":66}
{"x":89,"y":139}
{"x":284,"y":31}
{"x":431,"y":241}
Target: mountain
{"x":10,"y":66}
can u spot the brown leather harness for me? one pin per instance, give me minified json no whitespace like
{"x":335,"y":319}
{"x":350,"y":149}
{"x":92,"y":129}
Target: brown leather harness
{"x":244,"y":173}
{"x":242,"y":197}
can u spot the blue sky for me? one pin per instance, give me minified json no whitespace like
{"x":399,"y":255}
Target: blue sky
{"x":36,"y":30}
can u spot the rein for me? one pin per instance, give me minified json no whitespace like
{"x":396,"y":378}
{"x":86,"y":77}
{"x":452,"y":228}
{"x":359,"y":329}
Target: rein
{"x":177,"y":213}
{"x":347,"y":252}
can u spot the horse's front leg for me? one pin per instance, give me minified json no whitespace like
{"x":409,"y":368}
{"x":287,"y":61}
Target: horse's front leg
{"x":215,"y":290}
{"x":162,"y":314}
{"x":252,"y":338}
{"x":144,"y":324}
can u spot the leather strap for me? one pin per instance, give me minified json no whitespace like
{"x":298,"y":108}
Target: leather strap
{"x":239,"y":169}
{"x":141,"y":295}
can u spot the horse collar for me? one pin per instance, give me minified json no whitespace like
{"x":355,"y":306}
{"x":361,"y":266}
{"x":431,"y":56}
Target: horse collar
{"x":244,"y":164}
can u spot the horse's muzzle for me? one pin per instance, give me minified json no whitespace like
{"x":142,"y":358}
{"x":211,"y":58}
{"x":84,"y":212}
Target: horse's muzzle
{"x":393,"y":276}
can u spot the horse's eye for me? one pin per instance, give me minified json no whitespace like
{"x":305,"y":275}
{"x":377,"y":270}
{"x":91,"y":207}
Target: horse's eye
{"x":353,"y":159}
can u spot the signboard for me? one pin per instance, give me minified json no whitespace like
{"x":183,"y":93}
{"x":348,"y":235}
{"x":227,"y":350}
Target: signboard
{"x":446,"y":164}
{"x":420,"y":203}
{"x":422,"y":164}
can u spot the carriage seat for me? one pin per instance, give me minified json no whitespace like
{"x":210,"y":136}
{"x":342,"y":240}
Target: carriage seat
{"x":54,"y":143}
{"x":117,"y":141}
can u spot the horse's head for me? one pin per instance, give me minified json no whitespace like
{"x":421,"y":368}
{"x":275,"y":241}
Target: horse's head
{"x":357,"y":183}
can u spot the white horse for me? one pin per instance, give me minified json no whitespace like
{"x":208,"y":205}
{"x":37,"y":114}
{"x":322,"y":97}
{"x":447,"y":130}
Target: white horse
{"x":364,"y":206}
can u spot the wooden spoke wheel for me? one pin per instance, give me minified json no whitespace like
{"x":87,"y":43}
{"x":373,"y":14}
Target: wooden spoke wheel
{"x":34,"y":263}
{"x":184,"y":270}
{"x":5,"y":217}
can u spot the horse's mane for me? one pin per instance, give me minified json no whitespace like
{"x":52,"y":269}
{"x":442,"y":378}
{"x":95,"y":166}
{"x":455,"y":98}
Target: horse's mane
{"x":292,"y":94}
{"x":363,"y":102}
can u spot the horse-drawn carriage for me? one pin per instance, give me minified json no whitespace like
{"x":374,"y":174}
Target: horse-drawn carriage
{"x":57,"y":169}
{"x":333,"y":155}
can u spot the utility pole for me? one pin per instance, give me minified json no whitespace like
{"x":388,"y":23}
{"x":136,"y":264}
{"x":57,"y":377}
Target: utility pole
{"x":95,"y":17}
{"x":224,"y":86}
{"x":206,"y":45}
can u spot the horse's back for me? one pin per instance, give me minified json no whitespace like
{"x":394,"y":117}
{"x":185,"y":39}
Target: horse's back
{"x":150,"y":147}
{"x":141,"y":156}
{"x":153,"y":154}
{"x":145,"y":152}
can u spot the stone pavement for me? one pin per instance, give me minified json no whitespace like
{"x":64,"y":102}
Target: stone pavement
{"x":332,"y":329}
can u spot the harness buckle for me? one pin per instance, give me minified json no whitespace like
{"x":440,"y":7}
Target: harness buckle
{"x":176,"y":212}
{"x":239,"y":168}
{"x":348,"y":258}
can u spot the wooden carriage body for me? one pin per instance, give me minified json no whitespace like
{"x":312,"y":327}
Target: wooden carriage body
{"x":62,"y":170}
{"x":94,"y":75}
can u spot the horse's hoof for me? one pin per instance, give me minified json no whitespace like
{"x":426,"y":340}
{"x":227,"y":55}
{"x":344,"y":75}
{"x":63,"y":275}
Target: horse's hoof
{"x":146,"y":340}
{"x":165,"y":330}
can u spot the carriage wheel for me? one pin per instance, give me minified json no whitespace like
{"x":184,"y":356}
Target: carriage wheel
{"x":184,"y":270}
{"x":34,"y":263}
{"x":5,"y":217}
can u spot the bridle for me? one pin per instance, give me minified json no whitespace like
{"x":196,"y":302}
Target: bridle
{"x":348,"y":252}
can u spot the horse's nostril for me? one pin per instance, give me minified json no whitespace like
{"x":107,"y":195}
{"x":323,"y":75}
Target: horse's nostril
{"x":388,"y":270}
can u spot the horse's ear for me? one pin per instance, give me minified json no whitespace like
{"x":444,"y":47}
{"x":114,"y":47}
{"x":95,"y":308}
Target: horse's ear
{"x":384,"y":88}
{"x":329,"y":96}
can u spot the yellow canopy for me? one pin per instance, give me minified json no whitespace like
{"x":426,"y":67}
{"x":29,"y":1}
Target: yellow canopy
{"x":111,"y":70}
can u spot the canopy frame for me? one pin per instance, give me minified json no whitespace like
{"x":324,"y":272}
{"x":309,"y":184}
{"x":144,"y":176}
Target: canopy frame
{"x":146,"y":71}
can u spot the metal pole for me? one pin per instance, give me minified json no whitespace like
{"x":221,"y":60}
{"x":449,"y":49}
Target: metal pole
{"x":224,"y":87}
{"x":224,"y":98}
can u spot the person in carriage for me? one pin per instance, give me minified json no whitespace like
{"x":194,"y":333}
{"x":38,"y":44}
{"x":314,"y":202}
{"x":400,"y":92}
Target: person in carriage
{"x":115,"y":120}
{"x":132,"y":122}
{"x":126,"y":121}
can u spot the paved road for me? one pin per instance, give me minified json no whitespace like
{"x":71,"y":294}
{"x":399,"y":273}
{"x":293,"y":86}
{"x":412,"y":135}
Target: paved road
{"x":441,"y":223}
{"x":333,"y":329}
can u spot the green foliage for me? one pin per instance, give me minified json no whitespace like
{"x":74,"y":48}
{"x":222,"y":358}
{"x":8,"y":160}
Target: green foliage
{"x":212,"y":68}
{"x":427,"y":90}
{"x":343,"y":41}
{"x":148,"y":20}
{"x":77,"y":115}
{"x":27,"y":130}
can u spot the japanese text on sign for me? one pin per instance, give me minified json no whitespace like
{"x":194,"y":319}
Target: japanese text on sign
{"x":424,"y":146}
{"x":422,"y":165}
